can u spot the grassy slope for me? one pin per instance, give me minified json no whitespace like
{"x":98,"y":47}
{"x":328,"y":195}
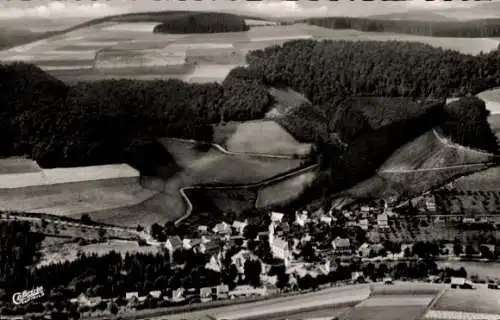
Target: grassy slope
{"x":195,"y":168}
{"x":262,"y":136}
{"x":425,"y":152}
{"x":286,"y":100}
{"x":481,"y":300}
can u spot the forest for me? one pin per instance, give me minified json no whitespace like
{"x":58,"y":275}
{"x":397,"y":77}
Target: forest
{"x":483,"y":28}
{"x":203,"y":22}
{"x":107,"y":121}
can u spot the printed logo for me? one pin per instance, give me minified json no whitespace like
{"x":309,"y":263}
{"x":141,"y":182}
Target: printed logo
{"x":27,"y":295}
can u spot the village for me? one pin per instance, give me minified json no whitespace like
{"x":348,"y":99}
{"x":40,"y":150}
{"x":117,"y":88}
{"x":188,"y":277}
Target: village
{"x":290,"y":253}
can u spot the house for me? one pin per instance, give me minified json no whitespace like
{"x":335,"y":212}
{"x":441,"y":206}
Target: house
{"x":222,"y":228}
{"x":240,"y":258}
{"x":155,"y":294}
{"x":365,"y":209}
{"x":301,"y":218}
{"x":208,"y":238}
{"x":173,"y":244}
{"x":84,"y":300}
{"x":222,"y":291}
{"x":328,"y":266}
{"x":341,"y":246}
{"x":357,"y":277}
{"x":382,"y":221}
{"x":388,"y":280}
{"x":430,"y":203}
{"x":458,"y":282}
{"x":206,"y":294}
{"x":277,"y":217}
{"x":215,"y":263}
{"x":468,"y":220}
{"x":326,"y":219}
{"x":189,"y":244}
{"x":364,"y":250}
{"x":239,"y":226}
{"x":209,"y":247}
{"x":178,"y":294}
{"x":130,"y":295}
{"x":280,"y":249}
{"x":202,"y":229}
{"x":363,"y":224}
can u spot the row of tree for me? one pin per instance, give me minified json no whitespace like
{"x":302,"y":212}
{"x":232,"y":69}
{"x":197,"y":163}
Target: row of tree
{"x":203,"y":22}
{"x":470,"y":29}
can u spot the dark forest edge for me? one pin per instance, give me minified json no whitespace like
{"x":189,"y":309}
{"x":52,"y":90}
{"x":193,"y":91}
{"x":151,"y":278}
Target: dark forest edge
{"x":203,"y":23}
{"x":481,"y":28}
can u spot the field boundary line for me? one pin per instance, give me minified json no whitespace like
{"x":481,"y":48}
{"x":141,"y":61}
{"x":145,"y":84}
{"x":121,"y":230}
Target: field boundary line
{"x":260,"y":184}
{"x":220,"y":148}
{"x":433,"y":302}
{"x":437,"y":169}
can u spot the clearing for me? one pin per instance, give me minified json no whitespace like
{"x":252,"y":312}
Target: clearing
{"x":287,"y":100}
{"x":485,"y":180}
{"x":492,"y":100}
{"x":283,"y":192}
{"x":259,"y":137}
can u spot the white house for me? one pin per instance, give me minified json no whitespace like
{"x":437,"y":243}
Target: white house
{"x":222,"y":291}
{"x":240,"y":258}
{"x":130,"y":295}
{"x":189,"y":244}
{"x":222,"y":228}
{"x":364,"y":224}
{"x":276,"y":217}
{"x":430,"y":203}
{"x":202,"y":229}
{"x":239,"y":226}
{"x":155,"y":294}
{"x":280,"y":250}
{"x":215,"y":263}
{"x":301,"y":218}
{"x":206,"y":294}
{"x":178,"y":294}
{"x":173,"y":244}
{"x":382,"y":221}
{"x":341,"y":246}
{"x":209,"y":247}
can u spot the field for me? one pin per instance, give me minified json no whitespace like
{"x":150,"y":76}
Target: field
{"x":492,"y":100}
{"x":24,"y":186}
{"x":195,"y":167}
{"x":480,"y":300}
{"x":284,"y":191}
{"x":76,"y":50}
{"x":286,"y":100}
{"x":477,"y":202}
{"x":259,"y":137}
{"x":485,"y":180}
{"x":494,"y":121}
{"x":428,"y":160}
{"x":428,"y":229}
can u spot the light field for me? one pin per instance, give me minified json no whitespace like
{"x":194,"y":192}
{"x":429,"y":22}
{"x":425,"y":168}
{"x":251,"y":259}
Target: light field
{"x":265,"y":137}
{"x":486,"y":180}
{"x":83,"y":44}
{"x":480,"y":300}
{"x":74,"y":199}
{"x":492,"y":100}
{"x":284,"y":191}
{"x":483,"y":270}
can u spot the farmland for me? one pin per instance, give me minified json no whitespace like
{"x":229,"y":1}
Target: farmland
{"x":481,"y":300}
{"x":264,"y":137}
{"x":197,"y":167}
{"x":284,"y":191}
{"x":478,"y":202}
{"x":134,"y":44}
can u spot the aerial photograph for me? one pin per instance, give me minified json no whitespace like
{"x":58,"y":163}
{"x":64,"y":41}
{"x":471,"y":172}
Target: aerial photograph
{"x":249,"y":160}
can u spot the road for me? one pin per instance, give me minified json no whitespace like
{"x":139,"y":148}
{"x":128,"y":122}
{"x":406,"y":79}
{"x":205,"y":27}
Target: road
{"x":261,"y":309}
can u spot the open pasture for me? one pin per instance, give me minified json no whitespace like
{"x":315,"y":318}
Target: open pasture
{"x":485,"y":180}
{"x":74,"y":199}
{"x":383,"y":313}
{"x":492,"y":100}
{"x":264,"y":137}
{"x":429,"y":152}
{"x":210,"y":73}
{"x":200,"y":168}
{"x":478,"y":300}
{"x":18,"y":165}
{"x":494,"y":121}
{"x":285,"y":191}
{"x":286,"y":101}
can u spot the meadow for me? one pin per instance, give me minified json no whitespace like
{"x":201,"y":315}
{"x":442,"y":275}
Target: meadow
{"x":485,"y":180}
{"x":286,"y":101}
{"x":479,"y":300}
{"x":259,"y":136}
{"x":195,"y":167}
{"x":283,"y":192}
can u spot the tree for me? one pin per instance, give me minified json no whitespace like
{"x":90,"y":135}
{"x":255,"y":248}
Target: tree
{"x":250,"y":232}
{"x":157,"y":232}
{"x":457,"y":249}
{"x":85,"y":219}
{"x":253,"y":269}
{"x":469,"y":250}
{"x":113,"y":308}
{"x":308,"y":252}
